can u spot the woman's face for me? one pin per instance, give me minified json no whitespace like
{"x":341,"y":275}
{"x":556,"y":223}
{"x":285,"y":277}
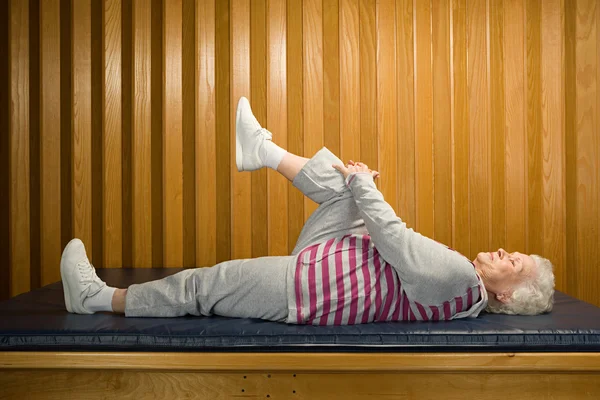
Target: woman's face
{"x":502,"y":272}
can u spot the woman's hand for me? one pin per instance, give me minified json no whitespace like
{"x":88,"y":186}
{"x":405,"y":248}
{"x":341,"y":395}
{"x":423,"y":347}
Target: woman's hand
{"x":353,"y":167}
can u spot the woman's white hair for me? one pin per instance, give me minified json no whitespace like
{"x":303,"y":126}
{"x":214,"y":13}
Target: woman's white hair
{"x":533,"y":297}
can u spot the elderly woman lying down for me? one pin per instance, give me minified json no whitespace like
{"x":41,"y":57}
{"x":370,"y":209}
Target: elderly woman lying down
{"x":355,"y":261}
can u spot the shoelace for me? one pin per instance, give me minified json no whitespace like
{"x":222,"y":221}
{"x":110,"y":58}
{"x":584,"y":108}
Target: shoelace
{"x":87,"y":272}
{"x":265,"y":132}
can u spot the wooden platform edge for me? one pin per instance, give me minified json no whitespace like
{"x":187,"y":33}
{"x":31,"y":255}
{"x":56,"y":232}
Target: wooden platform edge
{"x":307,"y":362}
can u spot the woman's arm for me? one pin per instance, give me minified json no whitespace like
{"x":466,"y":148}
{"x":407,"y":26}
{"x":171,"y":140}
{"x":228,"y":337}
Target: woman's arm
{"x":428,"y":269}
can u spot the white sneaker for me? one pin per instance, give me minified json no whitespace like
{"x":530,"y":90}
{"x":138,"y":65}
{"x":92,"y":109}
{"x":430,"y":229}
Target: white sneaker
{"x":249,"y":138}
{"x":79,"y":277}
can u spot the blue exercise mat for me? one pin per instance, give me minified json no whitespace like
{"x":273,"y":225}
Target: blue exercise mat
{"x":38,"y":321}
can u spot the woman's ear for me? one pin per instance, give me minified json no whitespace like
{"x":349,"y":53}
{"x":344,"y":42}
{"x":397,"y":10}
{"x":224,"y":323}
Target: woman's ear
{"x":504,"y":297}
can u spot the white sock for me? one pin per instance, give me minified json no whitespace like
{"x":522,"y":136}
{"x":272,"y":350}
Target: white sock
{"x":271,"y":154}
{"x":101,"y":301}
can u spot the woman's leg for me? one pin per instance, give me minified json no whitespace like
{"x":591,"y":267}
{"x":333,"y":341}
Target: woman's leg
{"x":118,"y":301}
{"x":316,"y":178}
{"x":290,"y":165}
{"x":251,"y":288}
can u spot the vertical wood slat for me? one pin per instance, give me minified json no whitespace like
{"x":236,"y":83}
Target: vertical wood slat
{"x":405,"y":76}
{"x":349,"y":81}
{"x":82,"y":123}
{"x":368,"y":83}
{"x":534,"y":199}
{"x":97,"y":105}
{"x":423,"y":119}
{"x":442,"y":162}
{"x":19,"y":269}
{"x":295,"y":122}
{"x":189,"y":132}
{"x":514,"y":126}
{"x":142,"y":135}
{"x":127,"y":107}
{"x":5,"y":144}
{"x":587,"y":149}
{"x":66,"y":123}
{"x":479,"y":160}
{"x":259,"y":90}
{"x":276,"y":121}
{"x":223,"y":103}
{"x":331,"y":75}
{"x":206,"y":164}
{"x":387,"y":101}
{"x":156,"y":129}
{"x":597,"y":288}
{"x":461,"y":236}
{"x":312,"y":84}
{"x":112,"y":136}
{"x":172,"y":135}
{"x":50,"y":216}
{"x":496,"y":73}
{"x":553,"y":140}
{"x":570,"y":61}
{"x":241,"y":189}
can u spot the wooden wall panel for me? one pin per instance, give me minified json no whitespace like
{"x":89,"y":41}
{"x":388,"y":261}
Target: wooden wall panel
{"x":188,"y":93}
{"x":82,"y":123}
{"x":570,"y":70}
{"x":241,"y":189}
{"x":368,"y":84}
{"x":259,"y":98}
{"x":206,"y":162}
{"x":479,"y":146}
{"x":312,"y":39}
{"x":295,"y":123}
{"x":442,"y":152}
{"x":19,"y":192}
{"x":112,"y":139}
{"x":553,"y":140}
{"x":534,"y":202}
{"x":514,"y":123}
{"x":142,"y":135}
{"x":349,"y":80}
{"x":277,"y":122}
{"x":50,"y":141}
{"x":387,"y":101}
{"x":331,"y":75}
{"x":424,"y":118}
{"x":497,"y":117}
{"x":481,"y":117}
{"x":222,"y":108}
{"x":587,"y":149}
{"x":5,"y":140}
{"x":173,"y":135}
{"x":461,"y":235}
{"x":405,"y":78}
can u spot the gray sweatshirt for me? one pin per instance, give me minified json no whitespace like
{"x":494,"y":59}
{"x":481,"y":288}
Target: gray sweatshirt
{"x":391,"y":274}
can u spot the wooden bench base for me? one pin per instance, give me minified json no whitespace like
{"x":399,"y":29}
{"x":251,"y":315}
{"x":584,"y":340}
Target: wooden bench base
{"x":61,"y":375}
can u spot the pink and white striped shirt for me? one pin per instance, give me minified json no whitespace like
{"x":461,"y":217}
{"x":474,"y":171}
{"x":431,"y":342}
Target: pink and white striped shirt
{"x":345,"y":281}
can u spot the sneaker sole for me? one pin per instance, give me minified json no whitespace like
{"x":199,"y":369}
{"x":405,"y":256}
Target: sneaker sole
{"x":238,"y":146}
{"x":66,"y":289}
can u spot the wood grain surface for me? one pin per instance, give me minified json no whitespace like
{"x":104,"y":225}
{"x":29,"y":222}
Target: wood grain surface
{"x":82,"y":123}
{"x":20,"y":256}
{"x":50,"y":194}
{"x":481,"y":116}
{"x":142,"y":135}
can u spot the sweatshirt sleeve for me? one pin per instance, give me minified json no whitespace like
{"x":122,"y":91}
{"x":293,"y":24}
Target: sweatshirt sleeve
{"x":430,"y":272}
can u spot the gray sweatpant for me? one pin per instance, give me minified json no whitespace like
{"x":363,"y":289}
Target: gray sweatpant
{"x":256,"y":287}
